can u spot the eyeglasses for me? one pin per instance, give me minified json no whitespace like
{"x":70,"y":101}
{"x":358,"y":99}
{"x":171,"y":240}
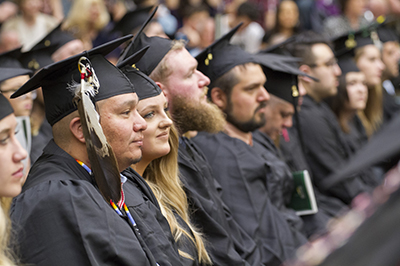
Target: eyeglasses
{"x":32,"y":94}
{"x":332,"y":62}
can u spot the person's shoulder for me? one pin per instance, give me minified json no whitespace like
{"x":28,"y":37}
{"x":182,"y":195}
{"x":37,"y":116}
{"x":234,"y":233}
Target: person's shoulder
{"x":50,"y":21}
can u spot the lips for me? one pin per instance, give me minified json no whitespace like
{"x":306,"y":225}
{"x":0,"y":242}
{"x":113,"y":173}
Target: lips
{"x":163,"y":134}
{"x":19,"y":173}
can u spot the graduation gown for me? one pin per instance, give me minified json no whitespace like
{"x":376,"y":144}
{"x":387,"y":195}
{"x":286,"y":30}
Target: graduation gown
{"x":40,"y":141}
{"x":326,"y":150}
{"x":293,"y":155}
{"x":242,"y":175}
{"x":226,"y":242}
{"x":314,"y":223}
{"x":135,"y":204}
{"x":60,"y":218}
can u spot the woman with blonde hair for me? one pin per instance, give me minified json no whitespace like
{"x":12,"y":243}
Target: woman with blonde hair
{"x":11,"y":175}
{"x":368,"y":60}
{"x":159,"y":167}
{"x":86,"y":19}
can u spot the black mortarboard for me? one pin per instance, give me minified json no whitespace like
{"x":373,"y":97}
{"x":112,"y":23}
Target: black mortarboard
{"x":159,"y":47}
{"x":281,"y":74}
{"x":7,"y":73}
{"x":347,"y":64}
{"x":5,"y":107}
{"x":40,"y":54}
{"x":145,"y":86}
{"x":9,"y":59}
{"x":221,"y":56}
{"x":352,"y":40}
{"x":132,"y":20}
{"x":55,"y":79}
{"x":280,"y":48}
{"x":382,"y":147}
{"x":386,"y":34}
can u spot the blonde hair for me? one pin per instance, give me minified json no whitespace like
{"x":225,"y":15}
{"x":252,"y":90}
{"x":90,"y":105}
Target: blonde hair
{"x":162,"y":175}
{"x":372,"y":116}
{"x":6,"y":258}
{"x":77,"y":20}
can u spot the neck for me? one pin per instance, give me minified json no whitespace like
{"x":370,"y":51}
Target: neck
{"x":313,"y":95}
{"x":234,"y":132}
{"x":30,"y":20}
{"x":141,"y":166}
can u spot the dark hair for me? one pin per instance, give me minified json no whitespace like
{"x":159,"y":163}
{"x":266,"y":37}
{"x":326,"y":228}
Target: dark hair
{"x":249,"y":10}
{"x":227,"y":81}
{"x":343,"y":5}
{"x":301,"y":48}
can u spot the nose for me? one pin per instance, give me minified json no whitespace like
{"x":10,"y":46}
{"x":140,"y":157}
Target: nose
{"x":263,"y":95}
{"x":19,"y":152}
{"x":288,"y":122}
{"x":337,"y":70}
{"x":139,"y":123}
{"x":166,"y":122}
{"x":203,"y":79}
{"x":381,"y":65}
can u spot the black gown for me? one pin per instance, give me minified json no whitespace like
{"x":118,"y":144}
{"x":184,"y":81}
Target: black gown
{"x":282,"y":186}
{"x":40,"y":141}
{"x":60,"y":218}
{"x":242,"y":175}
{"x":293,"y":155}
{"x":326,"y":150}
{"x":226,"y":242}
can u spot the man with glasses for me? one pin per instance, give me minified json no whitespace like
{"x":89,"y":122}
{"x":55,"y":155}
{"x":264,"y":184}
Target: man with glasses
{"x":325,"y":148}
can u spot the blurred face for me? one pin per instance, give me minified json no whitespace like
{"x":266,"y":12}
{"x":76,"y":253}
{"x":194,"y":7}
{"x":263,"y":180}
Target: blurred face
{"x":185,"y":80}
{"x":357,"y":7}
{"x":391,"y":57}
{"x":357,"y":90}
{"x":67,"y":50}
{"x":155,"y":29}
{"x":371,"y":64}
{"x":155,"y":142}
{"x":326,"y":70}
{"x":245,"y":107}
{"x":11,"y":156}
{"x":288,"y":14}
{"x":31,"y":7}
{"x":123,"y":127}
{"x":278,"y":115}
{"x":22,"y":105}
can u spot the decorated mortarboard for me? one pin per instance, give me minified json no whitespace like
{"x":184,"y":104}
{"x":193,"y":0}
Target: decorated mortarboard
{"x":221,"y":56}
{"x":5,"y":107}
{"x":159,"y":47}
{"x":9,"y":59}
{"x":281,"y":73}
{"x":40,"y":54}
{"x":58,"y":79}
{"x":132,"y":20}
{"x":145,"y":86}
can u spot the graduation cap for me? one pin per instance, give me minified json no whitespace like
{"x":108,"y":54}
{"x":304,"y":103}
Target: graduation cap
{"x":221,"y":56}
{"x":387,"y":34}
{"x":10,"y":67}
{"x":159,"y":47}
{"x":132,"y":20}
{"x":354,"y":39}
{"x":55,"y":80}
{"x":280,"y":48}
{"x":281,"y":73}
{"x":5,"y":107}
{"x":145,"y":86}
{"x":346,"y":63}
{"x":383,"y":146}
{"x":40,"y":54}
{"x":9,"y":59}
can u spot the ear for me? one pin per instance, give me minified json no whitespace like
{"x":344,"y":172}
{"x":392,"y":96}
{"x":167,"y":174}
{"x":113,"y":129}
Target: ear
{"x":219,"y":98}
{"x":306,"y":69}
{"x":76,"y":128}
{"x":163,"y":88}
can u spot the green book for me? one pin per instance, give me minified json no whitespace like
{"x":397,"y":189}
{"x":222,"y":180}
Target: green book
{"x":303,"y":198}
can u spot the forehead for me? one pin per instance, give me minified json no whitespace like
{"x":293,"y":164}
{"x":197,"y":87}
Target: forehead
{"x":15,"y":81}
{"x":370,"y":50}
{"x":158,"y":100}
{"x":119,"y":101}
{"x":322,"y":52}
{"x":180,"y":61}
